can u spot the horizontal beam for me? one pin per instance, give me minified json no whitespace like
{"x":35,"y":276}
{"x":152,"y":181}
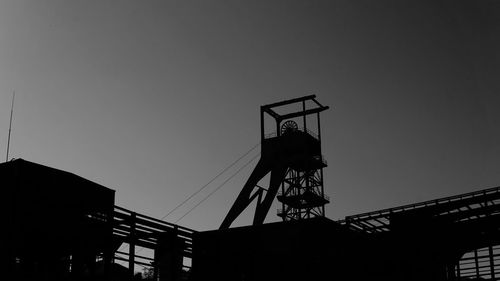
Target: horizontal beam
{"x":125,"y":213}
{"x":303,"y":113}
{"x":476,"y":197}
{"x":135,"y":262}
{"x":271,"y":112}
{"x":125,"y":254}
{"x":276,"y":104}
{"x":154,"y":226}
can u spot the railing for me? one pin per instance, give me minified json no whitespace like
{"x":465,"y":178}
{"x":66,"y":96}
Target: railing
{"x":138,"y":230}
{"x":477,"y":203}
{"x":305,"y":130}
{"x":293,"y":213}
{"x":456,"y":198}
{"x":326,"y":197}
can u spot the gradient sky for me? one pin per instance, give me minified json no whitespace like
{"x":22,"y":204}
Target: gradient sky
{"x":154,"y":98}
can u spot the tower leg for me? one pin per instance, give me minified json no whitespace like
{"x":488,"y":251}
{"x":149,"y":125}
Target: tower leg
{"x":245,"y":197}
{"x":277,"y":176}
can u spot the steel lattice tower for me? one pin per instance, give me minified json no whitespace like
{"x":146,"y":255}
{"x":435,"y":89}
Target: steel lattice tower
{"x":292,"y":156}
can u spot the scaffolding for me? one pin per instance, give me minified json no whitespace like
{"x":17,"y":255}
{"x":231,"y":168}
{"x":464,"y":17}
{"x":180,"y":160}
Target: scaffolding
{"x":172,"y":245}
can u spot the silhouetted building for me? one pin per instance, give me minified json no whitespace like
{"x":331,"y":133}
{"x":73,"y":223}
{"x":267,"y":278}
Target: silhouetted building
{"x":314,"y":249}
{"x":56,"y":224}
{"x":433,"y":240}
{"x":59,"y":226}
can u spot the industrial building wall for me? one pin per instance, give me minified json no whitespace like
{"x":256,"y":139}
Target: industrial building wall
{"x":312,"y":250}
{"x":296,"y":250}
{"x":55,"y":222}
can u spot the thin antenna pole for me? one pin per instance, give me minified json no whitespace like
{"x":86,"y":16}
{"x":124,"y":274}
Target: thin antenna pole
{"x":10,"y":124}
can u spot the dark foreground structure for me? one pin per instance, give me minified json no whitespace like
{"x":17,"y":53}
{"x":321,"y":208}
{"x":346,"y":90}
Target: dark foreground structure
{"x":454,"y":238}
{"x":52,"y":221}
{"x":446,"y":239}
{"x":59,"y":226}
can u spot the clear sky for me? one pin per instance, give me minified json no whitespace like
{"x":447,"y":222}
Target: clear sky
{"x":154,"y":98}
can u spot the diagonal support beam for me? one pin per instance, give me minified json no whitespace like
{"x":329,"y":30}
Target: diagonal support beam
{"x":245,"y":197}
{"x":277,"y":177}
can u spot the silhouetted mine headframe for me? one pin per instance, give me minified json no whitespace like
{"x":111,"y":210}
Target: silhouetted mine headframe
{"x":292,"y":156}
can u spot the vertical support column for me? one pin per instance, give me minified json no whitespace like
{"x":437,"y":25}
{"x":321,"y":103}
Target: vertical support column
{"x":321,"y":170}
{"x":278,"y":132}
{"x":262,"y":129}
{"x":168,"y":256}
{"x":304,"y":116}
{"x":492,"y":262}
{"x":131,"y":248}
{"x":156,"y":268}
{"x":319,"y":128}
{"x":476,"y":262}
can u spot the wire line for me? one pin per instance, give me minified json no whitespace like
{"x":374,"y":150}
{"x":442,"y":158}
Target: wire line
{"x":204,"y":186}
{"x":215,"y":190}
{"x":221,"y":185}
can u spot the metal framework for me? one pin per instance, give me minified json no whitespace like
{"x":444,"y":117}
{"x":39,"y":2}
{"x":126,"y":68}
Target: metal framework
{"x":481,"y":264}
{"x":292,"y":156}
{"x":480,"y":206}
{"x":60,"y":226}
{"x":57,"y":225}
{"x":464,"y":229}
{"x":172,"y":244}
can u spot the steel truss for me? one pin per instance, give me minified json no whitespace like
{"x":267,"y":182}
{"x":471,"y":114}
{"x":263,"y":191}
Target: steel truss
{"x":172,"y":245}
{"x":292,"y":157}
{"x":302,"y":195}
